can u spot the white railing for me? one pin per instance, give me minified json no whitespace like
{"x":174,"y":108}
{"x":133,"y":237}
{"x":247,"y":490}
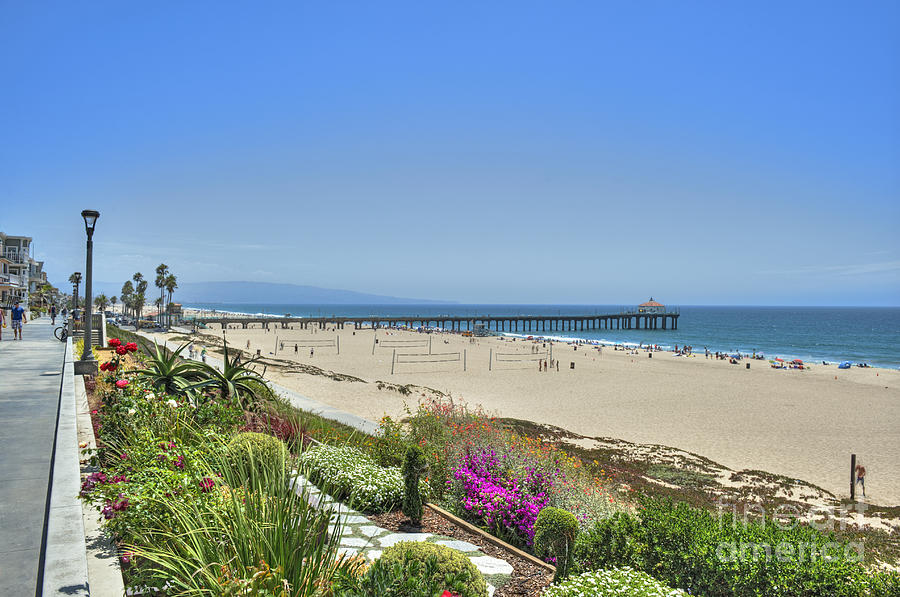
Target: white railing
{"x":15,"y":256}
{"x":13,"y":280}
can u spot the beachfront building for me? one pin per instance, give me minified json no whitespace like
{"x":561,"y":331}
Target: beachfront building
{"x":651,"y":307}
{"x":15,"y":263}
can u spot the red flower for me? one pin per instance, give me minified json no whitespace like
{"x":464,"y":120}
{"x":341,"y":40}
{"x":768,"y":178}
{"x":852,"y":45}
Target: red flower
{"x":104,"y":366}
{"x":207,"y":484}
{"x":121,"y":350}
{"x":131,"y":347}
{"x":114,"y":342}
{"x":110,"y":366}
{"x":122,"y":384}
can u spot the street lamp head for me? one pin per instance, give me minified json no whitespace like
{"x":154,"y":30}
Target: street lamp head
{"x":90,"y":220}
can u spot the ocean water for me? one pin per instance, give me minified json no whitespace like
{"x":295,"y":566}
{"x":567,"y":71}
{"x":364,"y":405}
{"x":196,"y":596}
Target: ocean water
{"x":858,"y":334}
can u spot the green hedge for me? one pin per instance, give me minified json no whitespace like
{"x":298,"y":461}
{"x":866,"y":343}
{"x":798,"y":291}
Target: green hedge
{"x":351,"y":475}
{"x":694,"y":550}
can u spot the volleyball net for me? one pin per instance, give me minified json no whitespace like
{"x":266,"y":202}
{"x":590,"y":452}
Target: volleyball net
{"x":516,"y":360}
{"x":401,"y":344}
{"x":419,"y":362}
{"x":295,"y":344}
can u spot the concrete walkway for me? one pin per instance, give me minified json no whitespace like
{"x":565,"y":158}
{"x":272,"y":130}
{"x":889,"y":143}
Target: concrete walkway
{"x":360,"y":536}
{"x":30,"y":378}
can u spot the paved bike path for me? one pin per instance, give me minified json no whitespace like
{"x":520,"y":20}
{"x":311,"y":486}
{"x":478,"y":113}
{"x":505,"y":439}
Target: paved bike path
{"x":30,"y":377}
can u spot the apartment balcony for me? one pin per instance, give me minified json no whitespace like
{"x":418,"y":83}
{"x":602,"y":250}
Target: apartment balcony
{"x":16,"y":256}
{"x":13,"y":280}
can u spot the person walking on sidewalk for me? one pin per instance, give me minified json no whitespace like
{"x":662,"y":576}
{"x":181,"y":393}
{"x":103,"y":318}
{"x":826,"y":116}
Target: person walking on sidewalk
{"x":18,"y":318}
{"x":2,"y":322}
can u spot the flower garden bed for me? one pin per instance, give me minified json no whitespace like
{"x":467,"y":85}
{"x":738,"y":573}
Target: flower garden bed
{"x":164,"y":453}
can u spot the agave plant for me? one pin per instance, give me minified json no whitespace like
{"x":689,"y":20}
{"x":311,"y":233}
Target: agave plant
{"x":235,"y":380}
{"x":169,"y":374}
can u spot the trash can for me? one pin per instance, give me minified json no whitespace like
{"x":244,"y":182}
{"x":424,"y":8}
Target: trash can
{"x":748,"y":365}
{"x":649,"y":355}
{"x":572,"y":365}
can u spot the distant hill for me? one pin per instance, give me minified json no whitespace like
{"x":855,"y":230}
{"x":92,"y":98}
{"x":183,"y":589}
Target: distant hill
{"x":268,"y":293}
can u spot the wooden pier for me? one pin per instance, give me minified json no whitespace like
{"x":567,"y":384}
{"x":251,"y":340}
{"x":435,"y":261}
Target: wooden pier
{"x":625,"y":320}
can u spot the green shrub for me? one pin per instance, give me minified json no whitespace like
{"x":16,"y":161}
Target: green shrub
{"x":388,"y":448}
{"x":612,"y":583}
{"x":413,"y":467}
{"x":715,"y":556}
{"x":443,"y":569}
{"x":554,"y":538}
{"x":352,"y":475}
{"x":250,"y":452}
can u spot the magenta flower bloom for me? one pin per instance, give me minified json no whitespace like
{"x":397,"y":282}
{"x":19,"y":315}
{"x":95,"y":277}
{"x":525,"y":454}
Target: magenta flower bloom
{"x":122,"y":384}
{"x":207,"y":484}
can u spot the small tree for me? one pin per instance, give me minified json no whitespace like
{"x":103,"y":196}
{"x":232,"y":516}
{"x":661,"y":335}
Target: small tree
{"x":413,"y":467}
{"x":555,"y":531}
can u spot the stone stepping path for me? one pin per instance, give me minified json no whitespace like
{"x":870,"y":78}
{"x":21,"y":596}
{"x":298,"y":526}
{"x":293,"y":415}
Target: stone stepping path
{"x":360,"y":536}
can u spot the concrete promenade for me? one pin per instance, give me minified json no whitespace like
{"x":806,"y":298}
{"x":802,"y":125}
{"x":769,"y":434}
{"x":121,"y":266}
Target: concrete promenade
{"x":30,"y":379}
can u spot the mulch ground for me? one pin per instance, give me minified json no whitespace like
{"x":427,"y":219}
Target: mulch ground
{"x":527,"y":578}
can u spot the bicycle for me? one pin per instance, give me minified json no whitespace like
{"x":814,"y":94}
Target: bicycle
{"x":61,"y":333}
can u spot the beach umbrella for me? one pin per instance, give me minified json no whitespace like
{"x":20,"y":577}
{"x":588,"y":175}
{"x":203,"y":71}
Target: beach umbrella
{"x":779,"y":359}
{"x":797,"y":361}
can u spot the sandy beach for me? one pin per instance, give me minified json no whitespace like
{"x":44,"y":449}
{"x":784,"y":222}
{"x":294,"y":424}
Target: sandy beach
{"x":801,"y":424}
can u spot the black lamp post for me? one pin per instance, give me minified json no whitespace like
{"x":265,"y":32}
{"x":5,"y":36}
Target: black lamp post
{"x":87,"y":356}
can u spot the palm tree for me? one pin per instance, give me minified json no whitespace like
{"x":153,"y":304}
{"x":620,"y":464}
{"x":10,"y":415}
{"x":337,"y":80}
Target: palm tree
{"x":112,"y":301}
{"x":101,"y":301}
{"x":171,"y":285}
{"x":138,"y":304}
{"x":139,"y":297}
{"x":162,"y":270}
{"x":75,"y":280}
{"x":127,"y":294}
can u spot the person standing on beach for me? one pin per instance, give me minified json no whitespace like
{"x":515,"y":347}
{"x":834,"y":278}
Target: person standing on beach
{"x":861,"y":477}
{"x":18,"y":318}
{"x":203,"y":354}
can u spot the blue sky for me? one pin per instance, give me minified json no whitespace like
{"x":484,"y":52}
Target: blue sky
{"x":523,"y":152}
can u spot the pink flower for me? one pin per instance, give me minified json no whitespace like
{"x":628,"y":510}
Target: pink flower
{"x":122,"y":384}
{"x":207,"y":484}
{"x":126,"y":557}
